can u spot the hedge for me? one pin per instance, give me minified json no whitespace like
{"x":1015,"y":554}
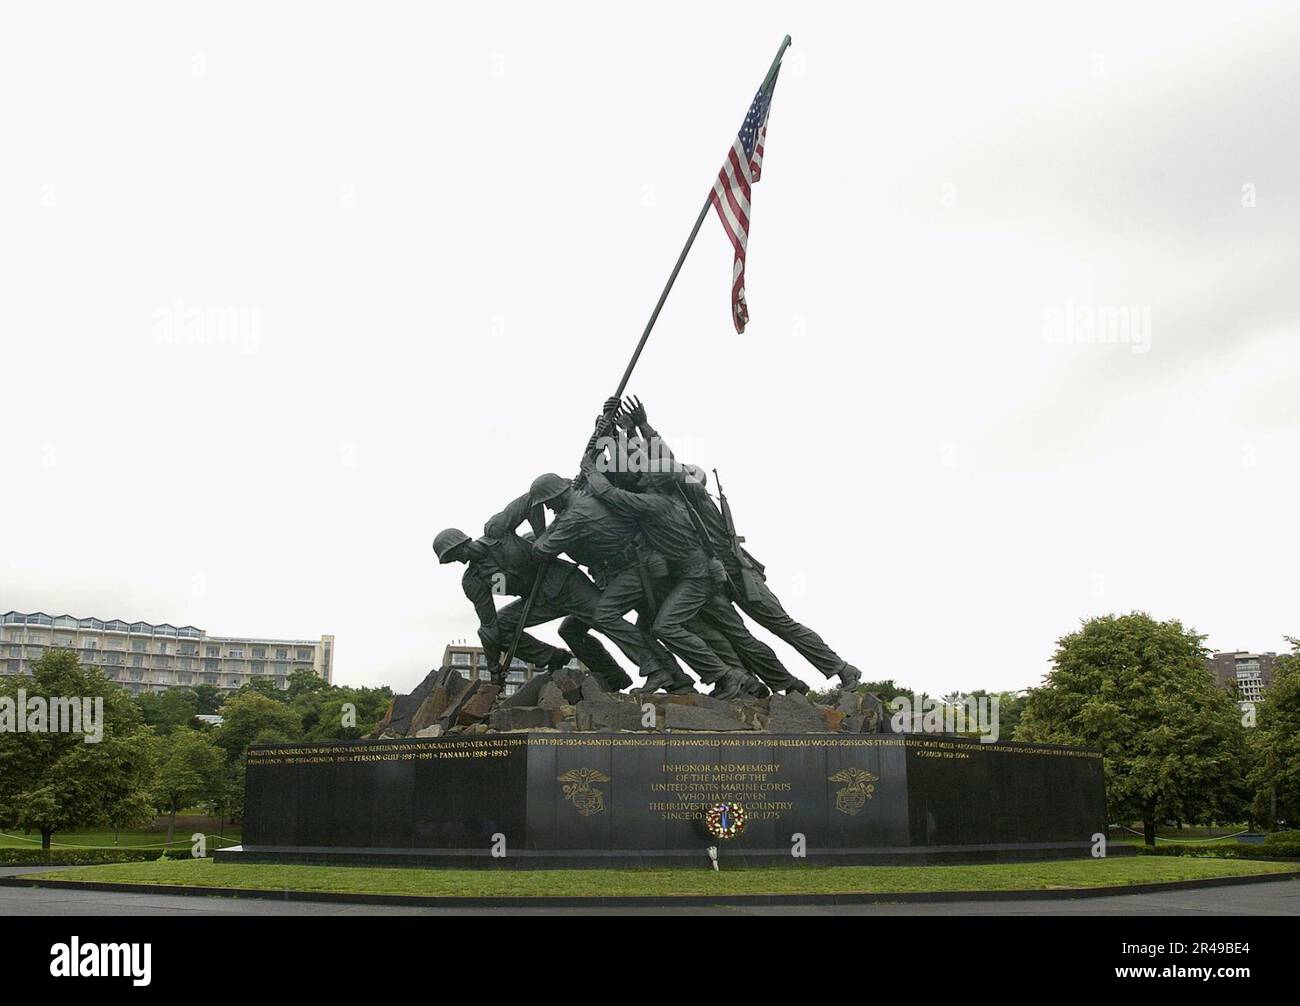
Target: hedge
{"x":79,"y":857}
{"x":1282,"y":845}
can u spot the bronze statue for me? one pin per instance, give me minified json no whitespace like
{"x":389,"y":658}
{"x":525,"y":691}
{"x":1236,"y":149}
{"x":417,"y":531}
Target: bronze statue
{"x":503,"y":562}
{"x":652,"y":540}
{"x":605,"y":542}
{"x":746,"y":573}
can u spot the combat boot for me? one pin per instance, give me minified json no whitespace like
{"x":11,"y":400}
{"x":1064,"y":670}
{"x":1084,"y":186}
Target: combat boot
{"x":850,"y":676}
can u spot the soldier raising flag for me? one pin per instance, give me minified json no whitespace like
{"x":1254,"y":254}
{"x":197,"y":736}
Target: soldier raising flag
{"x":651,"y":542}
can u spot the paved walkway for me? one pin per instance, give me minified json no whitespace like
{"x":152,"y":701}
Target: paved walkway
{"x":1272,"y":898}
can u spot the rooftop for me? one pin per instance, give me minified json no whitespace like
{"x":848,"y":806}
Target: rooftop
{"x":106,"y":625}
{"x":135,"y":628}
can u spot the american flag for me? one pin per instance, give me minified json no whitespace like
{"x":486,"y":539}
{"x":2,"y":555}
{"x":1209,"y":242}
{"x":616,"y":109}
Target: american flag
{"x":731,"y":192}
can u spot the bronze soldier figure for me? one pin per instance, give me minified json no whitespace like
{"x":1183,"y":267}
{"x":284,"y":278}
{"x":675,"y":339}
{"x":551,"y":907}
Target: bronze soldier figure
{"x":605,"y":542}
{"x":667,"y":530}
{"x":486,"y":574}
{"x":717,"y":623}
{"x":755,"y":598}
{"x":503,"y":562}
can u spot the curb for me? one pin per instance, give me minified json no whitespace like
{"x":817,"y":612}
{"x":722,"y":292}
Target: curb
{"x":650,"y":901}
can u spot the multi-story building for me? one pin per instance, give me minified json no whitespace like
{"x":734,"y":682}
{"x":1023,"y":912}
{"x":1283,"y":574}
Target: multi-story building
{"x":145,"y":657}
{"x":472,"y":663}
{"x":1247,"y":675}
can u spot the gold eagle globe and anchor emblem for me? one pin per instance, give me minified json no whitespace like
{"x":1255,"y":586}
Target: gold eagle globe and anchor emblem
{"x":580,"y":790}
{"x":861,"y":786}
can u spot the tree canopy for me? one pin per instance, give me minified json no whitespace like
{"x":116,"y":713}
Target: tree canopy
{"x":53,"y":781}
{"x":191,"y":768}
{"x":1276,"y":743}
{"x":1140,"y":691}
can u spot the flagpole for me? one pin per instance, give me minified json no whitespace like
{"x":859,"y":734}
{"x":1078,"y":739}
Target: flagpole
{"x":606,"y":421}
{"x":672,"y":277}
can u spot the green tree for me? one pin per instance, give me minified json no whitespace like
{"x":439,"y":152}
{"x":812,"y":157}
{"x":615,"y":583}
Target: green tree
{"x":209,"y":699}
{"x":52,"y":781}
{"x":190,"y":769}
{"x":883,"y":690}
{"x":887,"y":689}
{"x":265,"y":687}
{"x":336,"y":714}
{"x":250,"y":717}
{"x":228,"y":801}
{"x":1011,"y":706}
{"x":305,"y":683}
{"x":1275,"y":776}
{"x":1138,"y":689}
{"x":166,"y":711}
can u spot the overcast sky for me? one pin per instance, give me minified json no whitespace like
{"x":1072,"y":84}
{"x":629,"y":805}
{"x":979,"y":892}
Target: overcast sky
{"x":440,"y":233}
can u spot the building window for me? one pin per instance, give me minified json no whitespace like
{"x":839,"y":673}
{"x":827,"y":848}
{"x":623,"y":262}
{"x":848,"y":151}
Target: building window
{"x":460,"y":659}
{"x":212,"y":651}
{"x":259,"y":651}
{"x":304,"y":653}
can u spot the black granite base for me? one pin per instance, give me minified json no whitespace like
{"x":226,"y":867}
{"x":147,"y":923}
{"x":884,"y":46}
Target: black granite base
{"x":567,"y":799}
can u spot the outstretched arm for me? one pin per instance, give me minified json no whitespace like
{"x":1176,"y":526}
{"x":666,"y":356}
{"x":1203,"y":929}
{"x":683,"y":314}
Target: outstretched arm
{"x":564,"y":530}
{"x":636,"y":504}
{"x":634,"y":415}
{"x":604,"y":427}
{"x":516,"y":512}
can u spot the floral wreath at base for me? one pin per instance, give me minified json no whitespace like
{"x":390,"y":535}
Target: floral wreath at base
{"x":725,"y":820}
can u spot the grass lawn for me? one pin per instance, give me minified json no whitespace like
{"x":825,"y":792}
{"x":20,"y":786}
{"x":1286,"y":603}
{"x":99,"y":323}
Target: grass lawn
{"x":1055,"y":875}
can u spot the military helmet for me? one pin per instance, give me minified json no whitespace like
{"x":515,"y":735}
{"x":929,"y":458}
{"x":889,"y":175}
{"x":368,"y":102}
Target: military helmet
{"x":446,"y":541}
{"x":546,"y":487}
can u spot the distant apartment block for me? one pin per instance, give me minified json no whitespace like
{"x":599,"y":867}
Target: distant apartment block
{"x":472,"y":663}
{"x":1247,"y":675}
{"x":152,"y":658}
